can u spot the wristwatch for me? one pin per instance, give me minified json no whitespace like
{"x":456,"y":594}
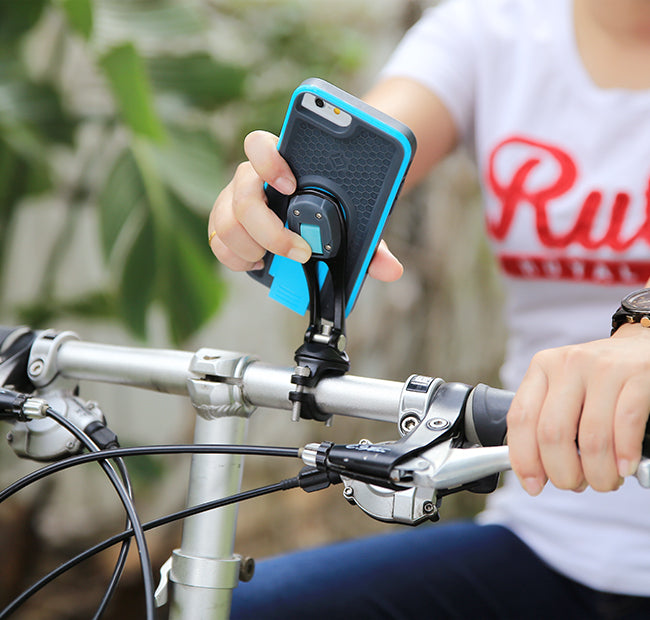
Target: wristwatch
{"x":635,"y":308}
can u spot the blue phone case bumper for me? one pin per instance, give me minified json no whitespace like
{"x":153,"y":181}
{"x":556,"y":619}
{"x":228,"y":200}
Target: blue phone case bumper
{"x":289,"y":285}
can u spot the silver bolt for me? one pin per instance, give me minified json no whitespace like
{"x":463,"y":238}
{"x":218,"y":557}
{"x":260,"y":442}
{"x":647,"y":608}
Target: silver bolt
{"x":296,"y":212}
{"x":302,"y":371}
{"x":10,"y":437}
{"x":36,"y":368}
{"x":319,"y":216}
{"x":408,"y":423}
{"x":70,"y":446}
{"x":328,"y":247}
{"x":364,"y":442}
{"x":348,"y":492}
{"x":428,"y":507}
{"x":437,"y":424}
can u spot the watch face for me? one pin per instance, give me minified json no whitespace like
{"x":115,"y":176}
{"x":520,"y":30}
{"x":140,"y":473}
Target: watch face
{"x":639,"y":301}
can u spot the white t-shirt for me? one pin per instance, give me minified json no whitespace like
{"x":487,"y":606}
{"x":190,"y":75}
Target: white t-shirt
{"x":565,"y":170}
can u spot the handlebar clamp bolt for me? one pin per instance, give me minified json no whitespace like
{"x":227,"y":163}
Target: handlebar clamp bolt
{"x":348,"y":493}
{"x":36,"y":368}
{"x":408,"y":423}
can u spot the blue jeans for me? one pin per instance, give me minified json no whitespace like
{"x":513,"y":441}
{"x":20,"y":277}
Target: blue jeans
{"x":457,"y":570}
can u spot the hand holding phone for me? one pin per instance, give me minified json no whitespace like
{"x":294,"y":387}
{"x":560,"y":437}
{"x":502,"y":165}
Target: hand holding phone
{"x":349,"y":161}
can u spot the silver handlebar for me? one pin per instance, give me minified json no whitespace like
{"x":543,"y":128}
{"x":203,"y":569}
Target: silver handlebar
{"x":257,"y":384}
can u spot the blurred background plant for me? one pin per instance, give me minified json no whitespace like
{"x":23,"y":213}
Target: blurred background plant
{"x":136,"y":109}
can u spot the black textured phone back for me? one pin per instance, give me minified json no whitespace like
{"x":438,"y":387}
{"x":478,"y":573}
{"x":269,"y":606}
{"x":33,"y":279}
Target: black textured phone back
{"x":354,"y":167}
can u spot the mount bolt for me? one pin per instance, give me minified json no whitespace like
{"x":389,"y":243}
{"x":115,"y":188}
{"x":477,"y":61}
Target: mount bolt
{"x":36,"y":368}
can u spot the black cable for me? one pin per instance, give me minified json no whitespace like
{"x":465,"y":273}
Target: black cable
{"x":129,"y":506}
{"x":94,"y":437}
{"x":289,"y":483}
{"x":140,"y":451}
{"x":78,"y":459}
{"x":120,"y":563}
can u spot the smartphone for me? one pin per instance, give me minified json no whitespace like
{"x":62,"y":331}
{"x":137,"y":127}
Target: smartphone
{"x":343,"y":149}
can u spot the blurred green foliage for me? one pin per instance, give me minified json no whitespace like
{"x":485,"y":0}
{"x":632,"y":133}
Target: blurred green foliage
{"x":166,"y":89}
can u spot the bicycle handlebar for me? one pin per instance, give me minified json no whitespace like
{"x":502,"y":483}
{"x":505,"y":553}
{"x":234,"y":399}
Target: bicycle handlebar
{"x":440,"y":424}
{"x":257,"y":384}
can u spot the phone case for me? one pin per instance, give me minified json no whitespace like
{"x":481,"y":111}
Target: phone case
{"x":341,"y":147}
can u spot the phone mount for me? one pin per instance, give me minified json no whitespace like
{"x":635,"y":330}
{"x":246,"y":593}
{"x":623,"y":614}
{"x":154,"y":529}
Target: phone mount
{"x":318,"y":217}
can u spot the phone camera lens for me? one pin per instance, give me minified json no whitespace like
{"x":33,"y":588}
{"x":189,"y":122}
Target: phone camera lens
{"x":319,"y":103}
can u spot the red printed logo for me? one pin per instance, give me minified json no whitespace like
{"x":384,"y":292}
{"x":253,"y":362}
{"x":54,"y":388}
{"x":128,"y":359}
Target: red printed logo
{"x":520,"y":188}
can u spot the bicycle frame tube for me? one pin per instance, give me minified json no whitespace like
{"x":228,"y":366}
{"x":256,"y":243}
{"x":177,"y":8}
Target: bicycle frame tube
{"x":205,"y":570}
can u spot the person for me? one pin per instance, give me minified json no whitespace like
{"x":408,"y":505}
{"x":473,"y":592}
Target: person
{"x":553,"y":99}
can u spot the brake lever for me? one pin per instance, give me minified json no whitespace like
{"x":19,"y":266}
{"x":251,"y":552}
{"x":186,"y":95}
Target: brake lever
{"x":443,"y":467}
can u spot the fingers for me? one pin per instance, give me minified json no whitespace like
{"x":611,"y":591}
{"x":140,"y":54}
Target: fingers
{"x":523,"y":419}
{"x":597,"y":427}
{"x":580,"y":414}
{"x":630,"y":420}
{"x":261,"y":149}
{"x":254,"y":224}
{"x":241,"y":226}
{"x":559,"y":418}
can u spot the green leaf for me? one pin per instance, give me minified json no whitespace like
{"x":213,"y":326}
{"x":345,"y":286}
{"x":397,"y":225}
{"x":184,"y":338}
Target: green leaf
{"x":96,"y":305}
{"x":121,"y":196}
{"x":141,"y":20}
{"x":138,"y":281}
{"x":19,"y":177}
{"x":191,"y":164}
{"x":36,"y":105}
{"x":192,"y":291}
{"x":17,"y":17}
{"x":130,"y":85}
{"x":198,"y":78}
{"x":80,"y":15}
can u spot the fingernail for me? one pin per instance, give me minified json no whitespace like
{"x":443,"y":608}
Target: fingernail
{"x":625,"y":468}
{"x":258,"y":265}
{"x":299,"y":254}
{"x":533,"y":486}
{"x":285,"y":185}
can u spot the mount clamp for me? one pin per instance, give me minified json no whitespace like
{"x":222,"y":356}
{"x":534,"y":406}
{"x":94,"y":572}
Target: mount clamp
{"x":319,"y":218}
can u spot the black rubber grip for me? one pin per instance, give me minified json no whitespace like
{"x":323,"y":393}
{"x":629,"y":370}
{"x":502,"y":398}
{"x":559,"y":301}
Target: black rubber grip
{"x":485,"y":416}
